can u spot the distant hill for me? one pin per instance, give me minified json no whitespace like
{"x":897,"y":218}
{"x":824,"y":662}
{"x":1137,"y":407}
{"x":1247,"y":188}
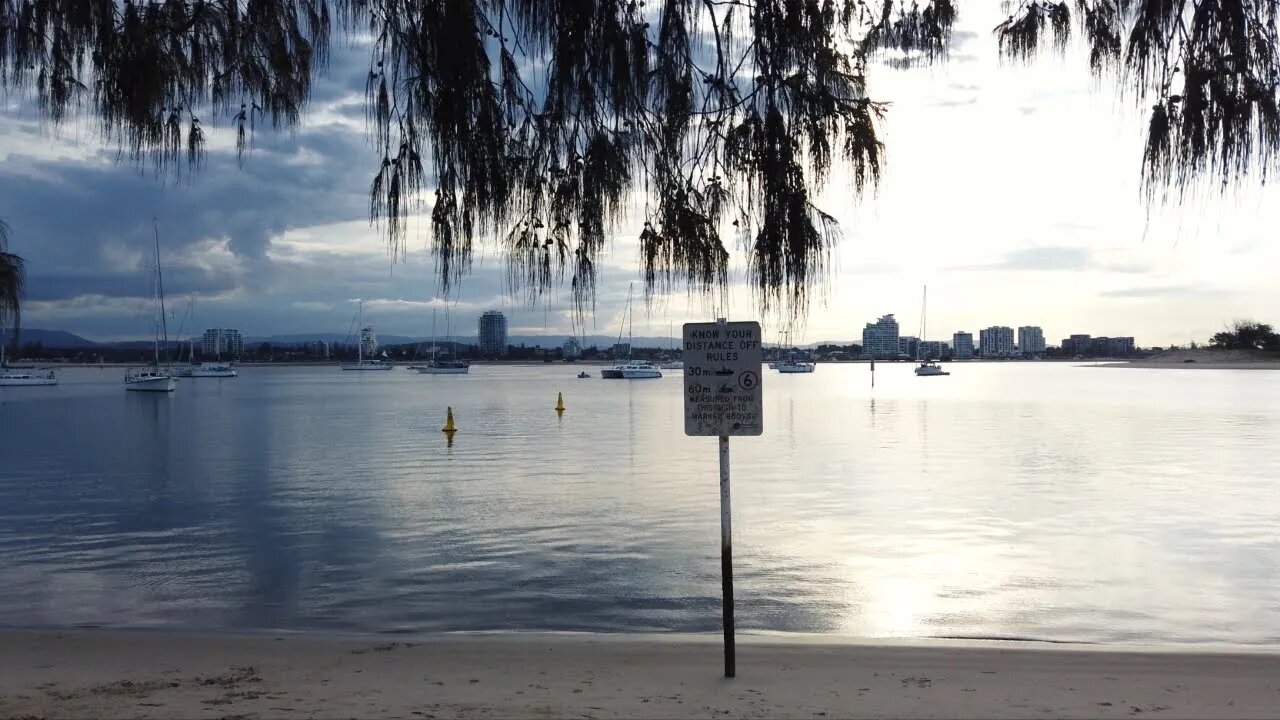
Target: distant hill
{"x":59,"y":339}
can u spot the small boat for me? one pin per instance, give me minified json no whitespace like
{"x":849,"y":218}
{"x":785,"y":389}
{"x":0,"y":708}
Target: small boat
{"x":632,"y":370}
{"x":9,"y":378}
{"x":445,"y":367}
{"x":13,"y":377}
{"x":368,"y":365}
{"x":213,"y":370}
{"x":928,"y":368}
{"x":149,"y":381}
{"x":795,"y":366}
{"x":672,"y":365}
{"x":584,"y":374}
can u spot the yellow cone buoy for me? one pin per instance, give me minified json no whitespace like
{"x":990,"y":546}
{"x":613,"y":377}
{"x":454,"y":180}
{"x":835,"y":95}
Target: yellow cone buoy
{"x":559,"y":402}
{"x":449,"y":427}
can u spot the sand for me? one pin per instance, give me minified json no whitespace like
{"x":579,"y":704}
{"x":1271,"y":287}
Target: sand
{"x":88,"y":673}
{"x":1206,"y":359}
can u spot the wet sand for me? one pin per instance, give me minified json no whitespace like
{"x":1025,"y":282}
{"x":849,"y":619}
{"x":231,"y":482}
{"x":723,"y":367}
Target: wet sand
{"x":87,"y":673}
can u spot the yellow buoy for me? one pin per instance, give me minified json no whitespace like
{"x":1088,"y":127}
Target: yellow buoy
{"x":449,"y":427}
{"x":559,"y":402}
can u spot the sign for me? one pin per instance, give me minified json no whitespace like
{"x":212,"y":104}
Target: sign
{"x":722,"y":393}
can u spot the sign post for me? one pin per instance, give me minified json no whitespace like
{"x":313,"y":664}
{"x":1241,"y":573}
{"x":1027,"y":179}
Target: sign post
{"x":722,"y":397}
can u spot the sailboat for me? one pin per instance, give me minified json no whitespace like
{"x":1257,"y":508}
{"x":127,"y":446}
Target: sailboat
{"x":154,"y":379}
{"x":436,"y":366}
{"x":927,"y":366}
{"x":631,"y":369}
{"x":793,"y":363}
{"x":361,"y":363}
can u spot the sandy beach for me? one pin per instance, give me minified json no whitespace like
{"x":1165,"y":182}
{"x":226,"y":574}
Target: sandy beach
{"x":1204,"y":359}
{"x":88,"y":673}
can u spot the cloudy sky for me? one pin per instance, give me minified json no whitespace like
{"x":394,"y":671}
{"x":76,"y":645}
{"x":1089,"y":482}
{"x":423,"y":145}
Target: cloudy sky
{"x":1011,"y":192}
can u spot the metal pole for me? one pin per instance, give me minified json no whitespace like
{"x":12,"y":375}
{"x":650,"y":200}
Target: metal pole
{"x":726,"y":559}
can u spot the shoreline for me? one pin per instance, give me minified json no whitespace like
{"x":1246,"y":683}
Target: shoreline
{"x":1139,"y":365}
{"x":161,"y":673}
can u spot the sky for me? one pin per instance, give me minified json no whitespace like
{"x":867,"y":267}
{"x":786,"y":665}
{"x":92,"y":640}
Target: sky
{"x":1012,"y":192}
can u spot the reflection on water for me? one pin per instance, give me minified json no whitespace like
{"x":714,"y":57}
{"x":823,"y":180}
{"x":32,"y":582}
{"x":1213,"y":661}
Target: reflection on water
{"x":1014,"y":500}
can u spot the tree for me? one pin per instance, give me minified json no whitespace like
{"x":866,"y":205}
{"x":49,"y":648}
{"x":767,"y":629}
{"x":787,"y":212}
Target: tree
{"x":1246,"y":335}
{"x":12,"y":279}
{"x":532,"y":123}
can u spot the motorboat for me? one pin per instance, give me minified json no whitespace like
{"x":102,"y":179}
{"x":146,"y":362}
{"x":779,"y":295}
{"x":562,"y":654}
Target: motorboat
{"x":584,"y":374}
{"x":672,"y":365}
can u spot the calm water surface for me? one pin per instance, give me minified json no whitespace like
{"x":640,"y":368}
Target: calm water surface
{"x":1011,"y":500}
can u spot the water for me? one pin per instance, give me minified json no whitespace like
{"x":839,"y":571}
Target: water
{"x":1030,"y":500}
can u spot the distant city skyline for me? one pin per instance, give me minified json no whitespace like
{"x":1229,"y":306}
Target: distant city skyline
{"x":980,"y":214}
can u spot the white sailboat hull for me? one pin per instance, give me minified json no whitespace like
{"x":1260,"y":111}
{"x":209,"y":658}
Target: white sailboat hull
{"x":367,"y":365}
{"x":631,"y":371}
{"x":427,"y":370}
{"x":795,"y":367}
{"x":150,"y":383}
{"x":215,"y":371}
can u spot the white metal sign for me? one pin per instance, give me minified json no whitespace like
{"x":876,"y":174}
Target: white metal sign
{"x":722,"y":379}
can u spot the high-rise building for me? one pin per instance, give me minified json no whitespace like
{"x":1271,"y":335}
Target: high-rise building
{"x":880,"y":339}
{"x":320,"y":350}
{"x":1120,"y":346}
{"x":962,"y":345}
{"x":996,"y":341}
{"x":571,"y":348}
{"x":1030,"y":340}
{"x":908,"y":346}
{"x":218,"y":342}
{"x":1076,"y":345}
{"x":368,"y":341}
{"x":929,"y":350}
{"x":493,"y":334}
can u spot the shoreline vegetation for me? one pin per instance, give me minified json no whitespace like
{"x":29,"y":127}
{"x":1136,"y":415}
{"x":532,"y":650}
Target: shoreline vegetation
{"x":155,"y":674}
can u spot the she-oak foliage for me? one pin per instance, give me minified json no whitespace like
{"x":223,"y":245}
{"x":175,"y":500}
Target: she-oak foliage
{"x":536,"y":122}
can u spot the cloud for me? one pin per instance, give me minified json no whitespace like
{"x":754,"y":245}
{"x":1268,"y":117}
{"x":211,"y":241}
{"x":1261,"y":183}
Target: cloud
{"x":1054,"y":258}
{"x":1165,"y":291}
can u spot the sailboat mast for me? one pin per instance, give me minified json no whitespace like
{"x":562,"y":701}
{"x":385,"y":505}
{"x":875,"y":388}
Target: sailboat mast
{"x":433,"y":334}
{"x":359,"y":331}
{"x":160,"y":293}
{"x":924,"y":324}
